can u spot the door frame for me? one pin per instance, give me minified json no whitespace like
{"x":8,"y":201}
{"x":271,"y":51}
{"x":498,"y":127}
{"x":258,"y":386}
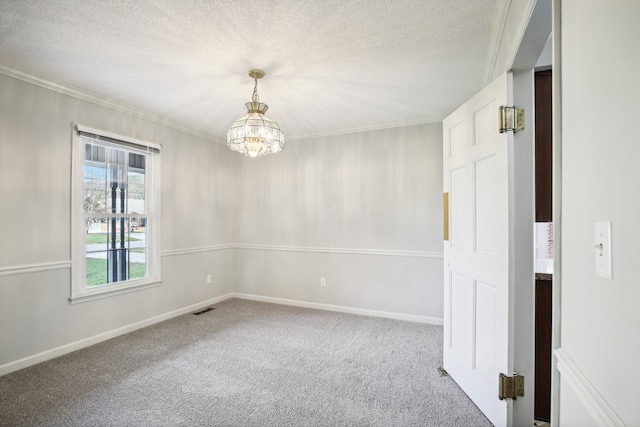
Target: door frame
{"x":556,"y":126}
{"x":527,"y":27}
{"x":522,"y":201}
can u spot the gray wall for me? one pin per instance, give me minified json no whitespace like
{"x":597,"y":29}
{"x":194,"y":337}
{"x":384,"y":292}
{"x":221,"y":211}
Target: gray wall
{"x":362,"y":210}
{"x":35,"y":243}
{"x":600,"y":319}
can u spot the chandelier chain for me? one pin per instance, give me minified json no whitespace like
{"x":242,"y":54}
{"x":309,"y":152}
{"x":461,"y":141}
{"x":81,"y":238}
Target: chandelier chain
{"x":255,"y":97}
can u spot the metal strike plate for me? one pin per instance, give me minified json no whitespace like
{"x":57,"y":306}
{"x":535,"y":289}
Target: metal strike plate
{"x":445,"y":204}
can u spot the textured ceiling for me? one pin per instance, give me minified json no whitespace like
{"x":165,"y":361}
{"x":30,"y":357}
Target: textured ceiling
{"x":331,"y":66}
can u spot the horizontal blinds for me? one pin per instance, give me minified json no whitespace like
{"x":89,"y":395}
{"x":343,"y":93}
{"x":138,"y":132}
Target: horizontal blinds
{"x":110,"y":138}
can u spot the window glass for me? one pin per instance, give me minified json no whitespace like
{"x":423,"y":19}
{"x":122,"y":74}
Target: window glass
{"x":117,"y":213}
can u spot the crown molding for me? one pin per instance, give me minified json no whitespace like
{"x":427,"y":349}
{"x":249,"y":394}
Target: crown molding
{"x":497,"y":33}
{"x":106,"y":102}
{"x":370,"y":128}
{"x":154,"y":118}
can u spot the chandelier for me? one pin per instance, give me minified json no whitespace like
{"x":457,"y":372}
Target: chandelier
{"x":255,"y":134}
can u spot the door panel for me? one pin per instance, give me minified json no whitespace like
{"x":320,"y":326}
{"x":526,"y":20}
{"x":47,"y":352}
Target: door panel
{"x":486,"y":205}
{"x":458,"y":202}
{"x":485,"y":310}
{"x":459,"y":291}
{"x":476,"y":259}
{"x":458,"y":142}
{"x":484,"y":124}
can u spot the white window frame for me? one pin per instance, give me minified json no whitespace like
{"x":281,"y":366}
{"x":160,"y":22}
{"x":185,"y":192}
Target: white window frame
{"x":79,"y":291}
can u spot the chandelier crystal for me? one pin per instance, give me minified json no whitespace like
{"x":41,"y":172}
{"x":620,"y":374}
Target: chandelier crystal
{"x":255,"y":134}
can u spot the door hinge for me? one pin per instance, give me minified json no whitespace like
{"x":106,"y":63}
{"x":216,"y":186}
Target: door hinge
{"x":510,"y":387}
{"x":511,"y":118}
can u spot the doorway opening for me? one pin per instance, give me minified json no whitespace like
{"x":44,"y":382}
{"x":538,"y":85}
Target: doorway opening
{"x":544,"y":238}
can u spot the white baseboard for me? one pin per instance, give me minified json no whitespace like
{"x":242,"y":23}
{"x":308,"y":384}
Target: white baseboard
{"x":600,"y":411}
{"x":77,"y":345}
{"x":342,"y":309}
{"x":86,"y":342}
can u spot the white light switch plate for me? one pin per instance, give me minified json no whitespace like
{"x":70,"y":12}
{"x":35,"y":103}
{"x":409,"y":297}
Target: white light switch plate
{"x":602,"y":249}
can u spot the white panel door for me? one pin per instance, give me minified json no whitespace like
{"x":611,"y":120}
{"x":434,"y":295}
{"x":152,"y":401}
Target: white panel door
{"x":476,"y":256}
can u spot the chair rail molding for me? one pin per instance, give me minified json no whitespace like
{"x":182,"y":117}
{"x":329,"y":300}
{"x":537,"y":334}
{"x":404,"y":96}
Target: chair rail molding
{"x":593,"y":402}
{"x":34,"y":268}
{"x":354,"y":251}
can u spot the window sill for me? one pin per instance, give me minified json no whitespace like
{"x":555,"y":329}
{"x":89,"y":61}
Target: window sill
{"x":77,"y":299}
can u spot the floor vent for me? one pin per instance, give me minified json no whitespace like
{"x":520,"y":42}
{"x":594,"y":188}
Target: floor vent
{"x":197,"y":313}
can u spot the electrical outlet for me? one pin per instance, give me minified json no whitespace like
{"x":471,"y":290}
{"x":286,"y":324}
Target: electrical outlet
{"x":323,"y":281}
{"x":209,"y":279}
